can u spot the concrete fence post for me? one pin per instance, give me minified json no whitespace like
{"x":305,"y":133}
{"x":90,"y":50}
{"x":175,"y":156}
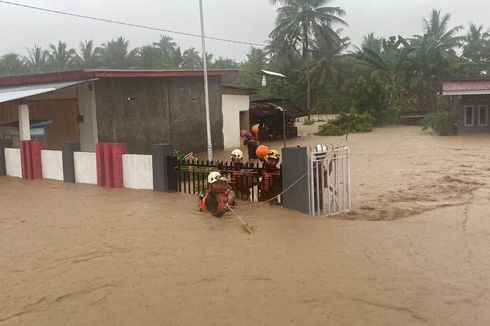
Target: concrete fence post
{"x":163,"y":178}
{"x":4,"y":143}
{"x":294,"y":167}
{"x":68,"y":150}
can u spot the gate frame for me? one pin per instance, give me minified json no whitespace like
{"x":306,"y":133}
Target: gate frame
{"x":329,"y":181}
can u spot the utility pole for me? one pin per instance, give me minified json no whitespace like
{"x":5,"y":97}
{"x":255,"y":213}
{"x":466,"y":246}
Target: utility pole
{"x":206,"y":89}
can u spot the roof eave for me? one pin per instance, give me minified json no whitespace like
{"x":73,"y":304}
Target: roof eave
{"x":466,"y":92}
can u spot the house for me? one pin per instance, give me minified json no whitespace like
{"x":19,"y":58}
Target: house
{"x":469,"y":101}
{"x":236,"y":101}
{"x":137,"y":107}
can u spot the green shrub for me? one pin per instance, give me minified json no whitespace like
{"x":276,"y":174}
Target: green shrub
{"x":442,"y":122}
{"x":308,"y":122}
{"x":330,"y":129}
{"x":371,"y":95}
{"x":347,"y":122}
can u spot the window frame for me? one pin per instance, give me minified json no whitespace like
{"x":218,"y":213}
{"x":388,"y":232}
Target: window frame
{"x":472,"y":107}
{"x":485,"y":107}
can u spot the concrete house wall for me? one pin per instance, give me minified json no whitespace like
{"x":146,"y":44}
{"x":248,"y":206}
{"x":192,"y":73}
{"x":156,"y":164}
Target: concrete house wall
{"x":233,"y":105}
{"x":146,"y":111}
{"x":457,"y":107}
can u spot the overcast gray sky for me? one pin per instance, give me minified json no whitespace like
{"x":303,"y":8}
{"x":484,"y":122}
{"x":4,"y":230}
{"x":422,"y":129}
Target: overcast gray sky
{"x":247,"y":20}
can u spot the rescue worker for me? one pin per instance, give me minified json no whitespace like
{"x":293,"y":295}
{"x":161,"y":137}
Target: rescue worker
{"x":272,"y":159}
{"x":236,"y":158}
{"x":218,"y":196}
{"x":252,"y":142}
{"x":241,"y":183}
{"x":271,"y":184}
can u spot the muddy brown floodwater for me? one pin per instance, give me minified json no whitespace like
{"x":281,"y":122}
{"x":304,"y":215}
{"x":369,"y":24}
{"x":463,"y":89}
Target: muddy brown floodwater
{"x":414,"y":250}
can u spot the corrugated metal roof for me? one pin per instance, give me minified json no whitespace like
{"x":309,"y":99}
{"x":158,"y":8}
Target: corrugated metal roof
{"x":19,"y":92}
{"x":53,"y":77}
{"x":264,"y":108}
{"x":468,"y":87}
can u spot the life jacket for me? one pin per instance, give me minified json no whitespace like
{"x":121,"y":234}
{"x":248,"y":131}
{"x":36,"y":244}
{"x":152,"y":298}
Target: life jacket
{"x":203,"y":195}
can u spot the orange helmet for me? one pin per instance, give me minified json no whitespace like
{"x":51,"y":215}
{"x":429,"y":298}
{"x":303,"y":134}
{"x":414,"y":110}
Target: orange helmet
{"x":255,"y":129}
{"x":262,"y":151}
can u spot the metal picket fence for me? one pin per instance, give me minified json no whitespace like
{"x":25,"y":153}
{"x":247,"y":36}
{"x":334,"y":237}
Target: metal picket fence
{"x":250,"y":181}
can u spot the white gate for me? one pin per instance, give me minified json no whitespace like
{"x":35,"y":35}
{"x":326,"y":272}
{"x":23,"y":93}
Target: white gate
{"x":329,"y":181}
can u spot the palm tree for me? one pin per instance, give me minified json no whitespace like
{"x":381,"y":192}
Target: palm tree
{"x":476,"y":49}
{"x":329,"y":61}
{"x":36,"y":59}
{"x":390,"y":60}
{"x":224,"y":63}
{"x":432,"y":51}
{"x":166,"y":44}
{"x":176,"y":58}
{"x":301,"y":21}
{"x":89,"y":55}
{"x":150,"y":57}
{"x":115,"y":53}
{"x":12,"y":64}
{"x":372,"y":42}
{"x":61,"y":58}
{"x":256,"y":60}
{"x":191,"y":59}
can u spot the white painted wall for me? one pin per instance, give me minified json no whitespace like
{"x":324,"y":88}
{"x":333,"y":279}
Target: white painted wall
{"x":137,"y":171}
{"x":52,"y":164}
{"x":232,"y":105}
{"x":85,"y":167}
{"x":12,"y":162}
{"x":86,"y":108}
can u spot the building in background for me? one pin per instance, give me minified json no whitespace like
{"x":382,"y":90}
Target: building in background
{"x":236,"y":102}
{"x":137,"y":107}
{"x":469,"y":101}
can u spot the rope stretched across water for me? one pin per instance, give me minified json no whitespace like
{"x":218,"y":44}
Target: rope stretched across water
{"x":275,"y":197}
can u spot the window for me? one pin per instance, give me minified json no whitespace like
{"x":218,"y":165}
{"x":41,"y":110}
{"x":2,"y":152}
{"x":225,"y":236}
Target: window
{"x":468,"y":116}
{"x":483,"y":115}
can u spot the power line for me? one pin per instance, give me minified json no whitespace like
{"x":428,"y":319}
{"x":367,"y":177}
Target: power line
{"x":111,"y":21}
{"x":129,"y":24}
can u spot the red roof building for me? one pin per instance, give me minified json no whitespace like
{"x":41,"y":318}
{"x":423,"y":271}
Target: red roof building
{"x":468,"y":87}
{"x":469,"y":102}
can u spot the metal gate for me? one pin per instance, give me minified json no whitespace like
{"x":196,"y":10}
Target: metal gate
{"x":329,"y":181}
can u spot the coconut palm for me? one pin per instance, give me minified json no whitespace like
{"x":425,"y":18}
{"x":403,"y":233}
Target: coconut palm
{"x":299,"y":22}
{"x":60,"y":57}
{"x":176,"y":58}
{"x":476,"y":49}
{"x":256,"y":60}
{"x":372,"y":42}
{"x":36,"y":59}
{"x":390,"y":60}
{"x":89,"y":55}
{"x":191,"y":59}
{"x":328,"y":61}
{"x":166,"y":44}
{"x":431,"y":56}
{"x":12,"y":64}
{"x":224,"y":63}
{"x":115,"y":53}
{"x":150,"y":57}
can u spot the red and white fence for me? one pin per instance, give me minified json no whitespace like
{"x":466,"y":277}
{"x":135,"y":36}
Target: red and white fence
{"x":117,"y":170}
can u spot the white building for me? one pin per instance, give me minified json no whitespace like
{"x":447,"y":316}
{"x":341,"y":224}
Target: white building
{"x":235,"y":106}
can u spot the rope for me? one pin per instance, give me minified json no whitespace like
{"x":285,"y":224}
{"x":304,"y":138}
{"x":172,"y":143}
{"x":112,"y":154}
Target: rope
{"x":242,"y":221}
{"x":275,"y":197}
